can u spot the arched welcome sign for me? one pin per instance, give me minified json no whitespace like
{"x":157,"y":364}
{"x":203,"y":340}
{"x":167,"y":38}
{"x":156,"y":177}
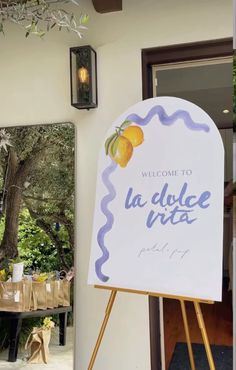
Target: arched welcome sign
{"x":158,"y":219}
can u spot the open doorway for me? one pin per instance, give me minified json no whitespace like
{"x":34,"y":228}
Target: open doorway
{"x":194,"y":73}
{"x":207,"y":83}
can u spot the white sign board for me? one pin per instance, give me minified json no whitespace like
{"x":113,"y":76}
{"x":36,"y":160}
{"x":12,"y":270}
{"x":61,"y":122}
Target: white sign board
{"x":158,"y":219}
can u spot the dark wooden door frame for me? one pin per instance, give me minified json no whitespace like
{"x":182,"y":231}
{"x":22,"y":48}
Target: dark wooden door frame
{"x":181,"y":53}
{"x":161,"y":55}
{"x":107,"y":6}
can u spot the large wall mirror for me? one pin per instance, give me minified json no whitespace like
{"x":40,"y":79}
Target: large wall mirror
{"x":37,"y":245}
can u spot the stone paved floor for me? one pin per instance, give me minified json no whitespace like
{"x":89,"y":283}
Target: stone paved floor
{"x":61,"y":358}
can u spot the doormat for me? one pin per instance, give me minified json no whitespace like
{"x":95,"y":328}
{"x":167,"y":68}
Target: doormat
{"x":223,"y":357}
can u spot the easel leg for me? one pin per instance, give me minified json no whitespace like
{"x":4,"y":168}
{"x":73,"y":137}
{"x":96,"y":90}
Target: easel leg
{"x":187,"y":333}
{"x":103,"y":327}
{"x":202,"y":327}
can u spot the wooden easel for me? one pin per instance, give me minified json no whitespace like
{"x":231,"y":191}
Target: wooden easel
{"x":182,"y":300}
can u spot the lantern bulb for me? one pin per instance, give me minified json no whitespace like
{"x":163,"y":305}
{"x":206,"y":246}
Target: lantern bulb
{"x":83,"y":75}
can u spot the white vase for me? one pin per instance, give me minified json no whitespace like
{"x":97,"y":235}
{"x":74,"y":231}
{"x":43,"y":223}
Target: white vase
{"x":17,"y":274}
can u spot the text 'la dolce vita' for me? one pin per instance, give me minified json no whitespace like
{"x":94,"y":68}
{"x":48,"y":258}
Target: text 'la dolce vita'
{"x":169,"y":208}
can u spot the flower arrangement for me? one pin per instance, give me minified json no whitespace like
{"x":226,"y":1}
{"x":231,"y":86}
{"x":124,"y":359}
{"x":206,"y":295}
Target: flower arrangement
{"x":48,"y":324}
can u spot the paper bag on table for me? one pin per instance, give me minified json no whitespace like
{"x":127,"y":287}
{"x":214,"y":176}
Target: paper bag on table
{"x":39,"y":295}
{"x":64,"y":293}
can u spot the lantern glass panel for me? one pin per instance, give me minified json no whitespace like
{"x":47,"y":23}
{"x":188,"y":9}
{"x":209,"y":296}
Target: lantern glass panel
{"x":74,"y":81}
{"x":93,"y":76}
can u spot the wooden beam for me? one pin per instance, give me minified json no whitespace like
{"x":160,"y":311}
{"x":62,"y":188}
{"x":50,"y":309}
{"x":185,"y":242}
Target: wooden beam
{"x":107,"y":6}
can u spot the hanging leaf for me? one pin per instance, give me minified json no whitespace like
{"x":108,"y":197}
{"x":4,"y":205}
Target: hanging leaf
{"x":1,"y":29}
{"x":84,"y":19}
{"x":29,"y":13}
{"x":41,"y":34}
{"x":75,"y":2}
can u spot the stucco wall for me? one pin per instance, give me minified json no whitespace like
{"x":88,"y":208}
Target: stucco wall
{"x":34,"y":88}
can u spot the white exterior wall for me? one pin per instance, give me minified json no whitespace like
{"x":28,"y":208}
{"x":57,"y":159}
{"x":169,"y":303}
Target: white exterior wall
{"x":34,"y":88}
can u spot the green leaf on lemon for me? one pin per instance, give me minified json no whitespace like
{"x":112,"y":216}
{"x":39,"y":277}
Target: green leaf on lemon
{"x":108,"y":142}
{"x":125,"y":124}
{"x":114,"y":145}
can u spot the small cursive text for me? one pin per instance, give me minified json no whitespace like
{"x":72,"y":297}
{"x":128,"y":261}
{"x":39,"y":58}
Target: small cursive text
{"x":172,"y":253}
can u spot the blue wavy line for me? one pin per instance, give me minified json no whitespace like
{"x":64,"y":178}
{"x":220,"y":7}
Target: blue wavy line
{"x":109,"y":223}
{"x":168,"y":120}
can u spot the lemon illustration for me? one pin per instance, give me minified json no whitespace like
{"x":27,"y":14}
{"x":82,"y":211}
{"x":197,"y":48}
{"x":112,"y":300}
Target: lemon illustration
{"x":134,"y":134}
{"x":121,"y":150}
{"x":119,"y":146}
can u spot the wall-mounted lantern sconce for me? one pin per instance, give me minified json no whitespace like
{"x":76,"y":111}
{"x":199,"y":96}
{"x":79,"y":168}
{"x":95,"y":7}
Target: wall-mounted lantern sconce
{"x":83,"y":77}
